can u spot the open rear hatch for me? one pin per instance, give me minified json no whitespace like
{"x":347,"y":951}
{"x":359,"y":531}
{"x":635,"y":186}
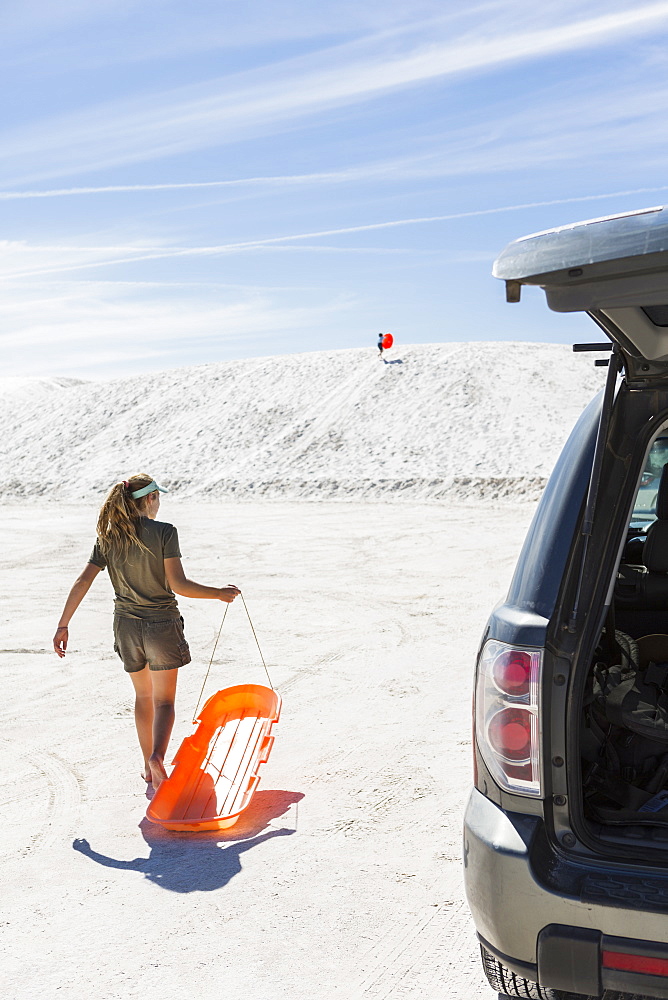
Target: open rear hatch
{"x":615,"y":269}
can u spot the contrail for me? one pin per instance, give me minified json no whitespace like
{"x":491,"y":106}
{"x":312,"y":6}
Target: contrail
{"x":332,"y":176}
{"x":325,"y":177}
{"x":140,"y":254}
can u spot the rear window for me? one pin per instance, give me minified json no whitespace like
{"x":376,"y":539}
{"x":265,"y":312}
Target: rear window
{"x":644,"y":510}
{"x":541,"y":564}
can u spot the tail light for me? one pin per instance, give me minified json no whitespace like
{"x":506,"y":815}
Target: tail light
{"x":508,"y":715}
{"x":635,"y":963}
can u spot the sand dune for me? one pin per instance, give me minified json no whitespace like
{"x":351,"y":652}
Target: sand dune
{"x":483,"y":420}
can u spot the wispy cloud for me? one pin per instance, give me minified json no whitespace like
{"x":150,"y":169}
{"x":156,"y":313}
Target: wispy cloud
{"x":266,"y":100}
{"x":552,"y":137}
{"x":134,"y":31}
{"x":91,"y":329}
{"x":608,"y":119}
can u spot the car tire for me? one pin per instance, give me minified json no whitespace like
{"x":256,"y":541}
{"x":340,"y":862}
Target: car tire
{"x":508,"y":984}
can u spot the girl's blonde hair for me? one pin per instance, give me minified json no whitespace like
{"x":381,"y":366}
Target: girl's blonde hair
{"x":119,"y":517}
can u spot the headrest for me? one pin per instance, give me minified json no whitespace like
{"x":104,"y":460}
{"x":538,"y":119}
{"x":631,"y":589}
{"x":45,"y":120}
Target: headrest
{"x":662,"y":496}
{"x":655,"y":551}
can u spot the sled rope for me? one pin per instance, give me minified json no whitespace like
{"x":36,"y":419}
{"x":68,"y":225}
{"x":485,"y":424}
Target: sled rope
{"x":213,"y":653}
{"x":206,"y":676}
{"x":257,"y":644}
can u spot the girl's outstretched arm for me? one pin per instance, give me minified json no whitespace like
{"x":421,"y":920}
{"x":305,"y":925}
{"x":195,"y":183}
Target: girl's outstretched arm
{"x":180,"y":584}
{"x":74,"y":598}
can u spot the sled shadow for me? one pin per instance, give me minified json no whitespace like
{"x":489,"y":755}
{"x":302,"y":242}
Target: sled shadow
{"x":203,"y":862}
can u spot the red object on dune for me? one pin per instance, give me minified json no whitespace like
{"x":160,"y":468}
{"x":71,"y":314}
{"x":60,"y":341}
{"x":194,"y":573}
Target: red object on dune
{"x":388,"y":340}
{"x":216,"y":770}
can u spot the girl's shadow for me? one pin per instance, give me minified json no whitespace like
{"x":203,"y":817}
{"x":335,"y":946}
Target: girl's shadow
{"x":201,"y":862}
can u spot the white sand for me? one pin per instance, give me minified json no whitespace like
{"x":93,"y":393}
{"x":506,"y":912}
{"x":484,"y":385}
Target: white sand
{"x":344,"y":878}
{"x":453,"y":421}
{"x":344,"y":881}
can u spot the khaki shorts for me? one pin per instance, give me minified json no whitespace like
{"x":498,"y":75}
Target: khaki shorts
{"x":161,"y":644}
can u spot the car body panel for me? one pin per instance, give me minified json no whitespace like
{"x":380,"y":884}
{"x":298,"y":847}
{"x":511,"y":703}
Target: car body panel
{"x":511,"y":905}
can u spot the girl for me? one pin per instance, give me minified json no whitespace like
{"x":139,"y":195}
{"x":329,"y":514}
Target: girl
{"x":144,"y":563}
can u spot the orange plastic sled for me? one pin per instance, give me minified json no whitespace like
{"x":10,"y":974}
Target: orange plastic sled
{"x":216,"y":769}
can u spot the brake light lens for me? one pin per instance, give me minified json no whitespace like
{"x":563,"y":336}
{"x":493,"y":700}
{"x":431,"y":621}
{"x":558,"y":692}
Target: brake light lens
{"x":511,"y":672}
{"x":509,"y":733}
{"x":508,"y":715}
{"x":635,"y":963}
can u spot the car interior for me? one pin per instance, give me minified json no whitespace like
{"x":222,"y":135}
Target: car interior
{"x":624,"y":734}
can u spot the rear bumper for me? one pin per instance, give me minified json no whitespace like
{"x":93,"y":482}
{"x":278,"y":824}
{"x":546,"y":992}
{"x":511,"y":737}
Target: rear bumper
{"x":552,"y":937}
{"x":571,"y":959}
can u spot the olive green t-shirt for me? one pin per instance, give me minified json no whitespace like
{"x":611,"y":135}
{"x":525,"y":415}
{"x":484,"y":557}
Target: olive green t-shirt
{"x":139,"y":580}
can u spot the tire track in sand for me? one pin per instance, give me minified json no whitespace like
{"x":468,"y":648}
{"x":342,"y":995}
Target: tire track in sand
{"x":63,"y":790}
{"x":407,"y":950}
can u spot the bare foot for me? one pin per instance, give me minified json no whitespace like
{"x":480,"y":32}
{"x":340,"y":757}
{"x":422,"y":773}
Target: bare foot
{"x":146,"y":774}
{"x":158,"y":773}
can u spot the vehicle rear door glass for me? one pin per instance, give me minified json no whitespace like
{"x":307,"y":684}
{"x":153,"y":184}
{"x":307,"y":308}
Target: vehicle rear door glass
{"x":644,"y":510}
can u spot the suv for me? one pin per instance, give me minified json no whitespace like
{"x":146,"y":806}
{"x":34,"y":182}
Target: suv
{"x":566,"y":829}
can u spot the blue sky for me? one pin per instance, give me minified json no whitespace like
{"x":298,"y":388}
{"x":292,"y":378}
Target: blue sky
{"x":184,"y":183}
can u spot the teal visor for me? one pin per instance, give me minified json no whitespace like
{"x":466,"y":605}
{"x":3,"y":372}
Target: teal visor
{"x":151,"y":488}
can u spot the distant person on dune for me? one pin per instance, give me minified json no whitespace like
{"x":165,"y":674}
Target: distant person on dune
{"x":380,"y":344}
{"x":144,"y":563}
